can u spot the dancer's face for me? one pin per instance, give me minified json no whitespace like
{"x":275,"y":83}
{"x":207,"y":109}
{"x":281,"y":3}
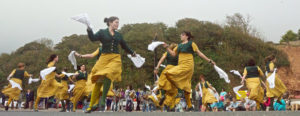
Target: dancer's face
{"x":82,"y":68}
{"x":115,"y":24}
{"x":56,"y":59}
{"x":183,"y":37}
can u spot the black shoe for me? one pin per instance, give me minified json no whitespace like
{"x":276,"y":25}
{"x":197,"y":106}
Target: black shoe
{"x":6,"y":108}
{"x":63,"y":110}
{"x":162,"y":100}
{"x":190,"y":109}
{"x":88,"y":111}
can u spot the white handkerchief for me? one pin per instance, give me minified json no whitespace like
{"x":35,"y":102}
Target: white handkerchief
{"x":83,"y":18}
{"x":200,"y":89}
{"x":148,"y":87}
{"x":138,"y":61}
{"x":68,"y":74}
{"x":271,"y":79}
{"x":153,"y":45}
{"x":154,"y":95}
{"x":32,"y":80}
{"x":236,"y":89}
{"x":163,"y":65}
{"x":46,"y":71}
{"x":222,"y":74}
{"x":71,"y":87}
{"x":14,"y":84}
{"x":236,"y":73}
{"x":72,"y":59}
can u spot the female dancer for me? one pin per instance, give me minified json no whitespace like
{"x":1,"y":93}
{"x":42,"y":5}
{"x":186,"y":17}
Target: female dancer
{"x":253,"y":82}
{"x":207,"y":97}
{"x":98,"y":87}
{"x":17,"y":75}
{"x":164,"y":84}
{"x":109,"y":66}
{"x":79,"y":90}
{"x":181,"y":74}
{"x":280,"y":88}
{"x":63,"y":94}
{"x":49,"y":86}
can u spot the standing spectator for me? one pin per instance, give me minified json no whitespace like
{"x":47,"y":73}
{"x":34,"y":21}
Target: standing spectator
{"x":138,"y":99}
{"x":197,"y":98}
{"x":144,"y":100}
{"x":108,"y":103}
{"x":223,"y":93}
{"x":29,"y":99}
{"x":233,"y":105}
{"x":129,"y":95}
{"x":122,"y":99}
{"x":19,"y":102}
{"x":116,"y":99}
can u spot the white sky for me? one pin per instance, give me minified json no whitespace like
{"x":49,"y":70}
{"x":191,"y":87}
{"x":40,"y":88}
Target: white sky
{"x":23,"y":21}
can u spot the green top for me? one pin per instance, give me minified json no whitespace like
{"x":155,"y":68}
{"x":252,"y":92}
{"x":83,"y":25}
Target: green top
{"x":109,"y":43}
{"x":19,"y":74}
{"x":252,"y":71}
{"x":82,"y":76}
{"x":171,"y":60}
{"x":185,"y":48}
{"x":65,"y":78}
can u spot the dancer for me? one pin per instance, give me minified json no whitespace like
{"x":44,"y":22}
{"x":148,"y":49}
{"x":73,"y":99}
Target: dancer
{"x":168,"y":99}
{"x":63,"y":94}
{"x":17,"y":76}
{"x":208,"y":97}
{"x":49,"y":86}
{"x":253,"y":82}
{"x":79,"y":90}
{"x":109,"y":66}
{"x":181,"y":74}
{"x":280,"y":88}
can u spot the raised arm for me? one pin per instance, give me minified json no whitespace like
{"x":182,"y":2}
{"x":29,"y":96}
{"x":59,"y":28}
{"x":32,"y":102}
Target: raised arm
{"x":92,"y":36}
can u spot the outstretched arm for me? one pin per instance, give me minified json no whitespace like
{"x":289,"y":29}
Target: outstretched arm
{"x":95,"y":53}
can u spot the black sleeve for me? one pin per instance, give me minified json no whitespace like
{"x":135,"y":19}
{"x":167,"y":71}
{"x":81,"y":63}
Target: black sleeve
{"x":92,"y":36}
{"x":125,"y":46}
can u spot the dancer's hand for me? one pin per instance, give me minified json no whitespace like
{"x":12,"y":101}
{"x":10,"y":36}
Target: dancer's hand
{"x":134,"y":54}
{"x":165,"y":45}
{"x":156,"y":71}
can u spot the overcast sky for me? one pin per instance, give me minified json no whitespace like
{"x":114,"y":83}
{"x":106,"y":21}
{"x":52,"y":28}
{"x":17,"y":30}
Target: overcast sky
{"x":23,"y":21}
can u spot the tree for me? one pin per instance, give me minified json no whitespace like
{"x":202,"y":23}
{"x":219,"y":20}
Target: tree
{"x":298,"y":34}
{"x":289,"y":36}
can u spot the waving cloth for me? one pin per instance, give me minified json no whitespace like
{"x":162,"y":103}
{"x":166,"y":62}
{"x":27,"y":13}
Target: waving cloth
{"x":46,"y":71}
{"x":72,"y":59}
{"x":83,"y":18}
{"x":236,"y":89}
{"x":138,"y":61}
{"x":222,"y":74}
{"x":14,"y":84}
{"x":153,"y":45}
{"x":271,"y":79}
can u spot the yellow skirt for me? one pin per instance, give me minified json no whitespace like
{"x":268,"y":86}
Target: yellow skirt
{"x":109,"y":65}
{"x":79,"y":91}
{"x":207,"y":97}
{"x":163,"y":82}
{"x":13,"y":93}
{"x":279,"y":89}
{"x":255,"y":89}
{"x":181,"y":75}
{"x":62,"y":93}
{"x":156,"y":102}
{"x":49,"y":87}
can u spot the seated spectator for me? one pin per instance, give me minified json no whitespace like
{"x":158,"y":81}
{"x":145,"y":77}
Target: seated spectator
{"x":280,"y":105}
{"x":267,"y":103}
{"x":227,"y":104}
{"x":233,"y":105}
{"x":241,"y":106}
{"x":250,"y":105}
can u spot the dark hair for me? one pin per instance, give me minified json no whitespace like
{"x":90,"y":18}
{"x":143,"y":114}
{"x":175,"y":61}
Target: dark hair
{"x":130,"y":87}
{"x":269,"y":58}
{"x":51,"y":58}
{"x":110,"y":19}
{"x":79,"y":66}
{"x":21,"y":65}
{"x":65,"y":69}
{"x":189,"y":34}
{"x":251,"y":62}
